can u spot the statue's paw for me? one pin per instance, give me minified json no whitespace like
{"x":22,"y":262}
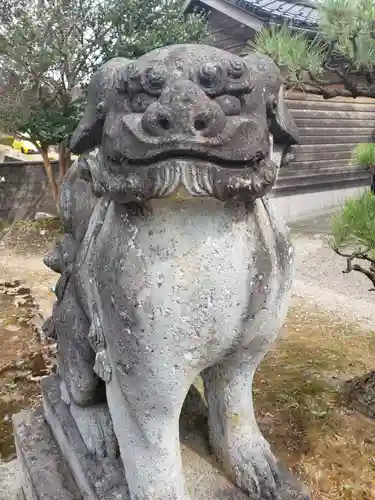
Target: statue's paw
{"x":96,"y":428}
{"x":255,"y":469}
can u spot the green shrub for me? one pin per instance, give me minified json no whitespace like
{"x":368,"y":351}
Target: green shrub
{"x":353,"y":235}
{"x":364,"y":156}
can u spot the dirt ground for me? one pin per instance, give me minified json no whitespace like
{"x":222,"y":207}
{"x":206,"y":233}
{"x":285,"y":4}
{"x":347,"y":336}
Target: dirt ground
{"x":24,"y":356}
{"x":328,"y":338}
{"x":23,"y":361}
{"x":301,"y":408}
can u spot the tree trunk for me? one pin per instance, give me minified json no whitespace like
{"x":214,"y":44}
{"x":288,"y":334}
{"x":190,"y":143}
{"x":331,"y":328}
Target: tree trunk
{"x":64,"y":161}
{"x":361,"y":393}
{"x":51,"y":177}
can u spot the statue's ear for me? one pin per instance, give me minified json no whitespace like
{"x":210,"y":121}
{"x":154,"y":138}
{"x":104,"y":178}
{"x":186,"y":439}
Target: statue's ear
{"x":267,"y":77}
{"x":282,"y":125}
{"x":88,"y":133}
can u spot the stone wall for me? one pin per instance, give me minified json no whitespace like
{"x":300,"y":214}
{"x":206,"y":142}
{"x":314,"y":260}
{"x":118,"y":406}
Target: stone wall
{"x":24,"y":190}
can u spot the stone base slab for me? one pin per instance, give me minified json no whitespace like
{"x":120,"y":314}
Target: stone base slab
{"x":44,"y":457}
{"x":44,"y":473}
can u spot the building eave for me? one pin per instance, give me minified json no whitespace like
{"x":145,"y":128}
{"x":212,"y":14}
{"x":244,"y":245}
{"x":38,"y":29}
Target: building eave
{"x":254,"y":16}
{"x":229,"y":10}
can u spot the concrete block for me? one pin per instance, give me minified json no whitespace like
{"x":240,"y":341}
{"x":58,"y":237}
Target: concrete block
{"x":340,"y":195}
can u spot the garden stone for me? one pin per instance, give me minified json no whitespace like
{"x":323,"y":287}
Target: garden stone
{"x":43,"y":216}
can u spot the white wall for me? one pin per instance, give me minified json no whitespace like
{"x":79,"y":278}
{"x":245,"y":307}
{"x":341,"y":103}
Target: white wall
{"x":300,"y":206}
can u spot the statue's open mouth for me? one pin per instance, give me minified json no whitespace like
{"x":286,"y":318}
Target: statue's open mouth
{"x":199,"y":173}
{"x":196,"y":156}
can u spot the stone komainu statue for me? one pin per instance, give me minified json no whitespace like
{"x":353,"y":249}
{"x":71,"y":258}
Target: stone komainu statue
{"x":173,"y":263}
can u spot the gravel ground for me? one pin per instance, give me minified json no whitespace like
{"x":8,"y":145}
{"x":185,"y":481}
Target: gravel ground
{"x":319,"y":281}
{"x":31,"y":270}
{"x":10,"y":484}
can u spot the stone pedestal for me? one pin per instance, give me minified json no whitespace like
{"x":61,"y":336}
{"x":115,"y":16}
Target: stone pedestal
{"x":55,"y":463}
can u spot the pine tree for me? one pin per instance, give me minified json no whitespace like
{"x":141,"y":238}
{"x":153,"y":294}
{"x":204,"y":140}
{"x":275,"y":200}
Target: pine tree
{"x":342,"y":52}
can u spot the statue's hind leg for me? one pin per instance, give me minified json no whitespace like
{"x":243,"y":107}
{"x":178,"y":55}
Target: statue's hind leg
{"x":234,"y":434}
{"x":81,"y":388}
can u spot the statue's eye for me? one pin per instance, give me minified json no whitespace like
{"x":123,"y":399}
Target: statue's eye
{"x":140,"y":102}
{"x":230,"y":104}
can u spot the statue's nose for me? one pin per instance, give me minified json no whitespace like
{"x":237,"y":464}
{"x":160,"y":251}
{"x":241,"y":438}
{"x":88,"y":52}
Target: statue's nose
{"x":184,"y":108}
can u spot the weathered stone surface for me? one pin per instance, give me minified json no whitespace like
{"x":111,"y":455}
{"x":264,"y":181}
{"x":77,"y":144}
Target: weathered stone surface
{"x":98,"y":477}
{"x":45,"y":475}
{"x":173,"y":265}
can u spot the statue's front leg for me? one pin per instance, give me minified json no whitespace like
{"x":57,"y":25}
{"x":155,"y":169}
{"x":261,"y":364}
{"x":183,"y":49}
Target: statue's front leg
{"x":234,"y":434}
{"x":145,"y":401}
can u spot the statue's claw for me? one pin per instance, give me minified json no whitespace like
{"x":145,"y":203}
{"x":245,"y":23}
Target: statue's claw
{"x":255,"y":469}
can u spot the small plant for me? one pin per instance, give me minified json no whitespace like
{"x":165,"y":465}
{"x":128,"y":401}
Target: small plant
{"x":364,"y":156}
{"x":290,"y":50}
{"x":353,"y":235}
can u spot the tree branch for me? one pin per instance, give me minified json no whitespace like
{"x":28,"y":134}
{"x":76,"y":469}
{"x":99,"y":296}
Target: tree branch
{"x":351,"y":86}
{"x":318,"y":81}
{"x":366,"y":272}
{"x":369,"y":273}
{"x":328,"y":55}
{"x":369,"y":76}
{"x":329,"y":92}
{"x":325,"y":91}
{"x":356,"y":255}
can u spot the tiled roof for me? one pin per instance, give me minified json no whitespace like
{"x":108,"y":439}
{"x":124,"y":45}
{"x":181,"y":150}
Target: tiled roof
{"x":299,"y":13}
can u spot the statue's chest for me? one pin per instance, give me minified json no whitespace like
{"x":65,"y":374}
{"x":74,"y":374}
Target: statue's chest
{"x":200,"y":257}
{"x":200,"y":269}
{"x":187,"y":256}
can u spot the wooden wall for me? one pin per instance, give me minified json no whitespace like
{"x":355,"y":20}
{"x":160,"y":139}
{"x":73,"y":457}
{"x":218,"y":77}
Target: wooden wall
{"x":227,"y":33}
{"x":329,"y":130}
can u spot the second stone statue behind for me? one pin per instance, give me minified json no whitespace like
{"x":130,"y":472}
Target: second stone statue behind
{"x":174,"y":263}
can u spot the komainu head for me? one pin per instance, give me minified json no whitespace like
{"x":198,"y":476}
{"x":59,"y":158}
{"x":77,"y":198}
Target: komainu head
{"x":185,"y":115}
